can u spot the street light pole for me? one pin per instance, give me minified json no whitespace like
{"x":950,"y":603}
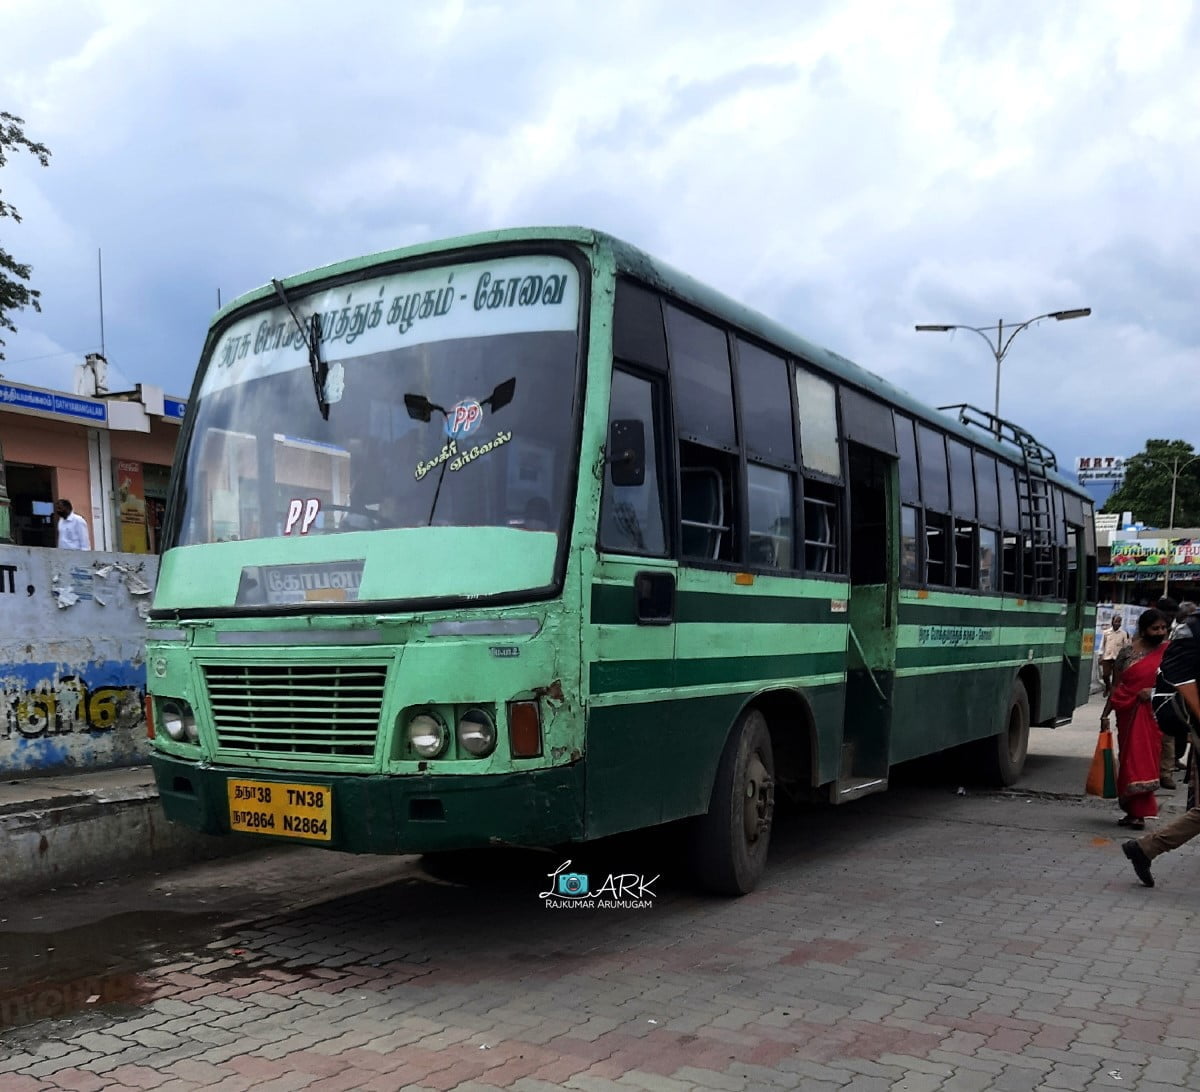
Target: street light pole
{"x":1002,"y":345}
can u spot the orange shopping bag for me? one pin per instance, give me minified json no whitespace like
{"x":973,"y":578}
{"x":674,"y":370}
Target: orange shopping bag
{"x":1102,"y":775}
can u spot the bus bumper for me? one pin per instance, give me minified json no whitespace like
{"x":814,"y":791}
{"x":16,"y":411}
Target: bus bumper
{"x":373,"y":813}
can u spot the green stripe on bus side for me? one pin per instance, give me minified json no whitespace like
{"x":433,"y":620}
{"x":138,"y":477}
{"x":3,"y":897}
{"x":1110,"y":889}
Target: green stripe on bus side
{"x":1045,"y":663}
{"x":980,"y":655}
{"x":969,"y":601}
{"x":615,"y":675}
{"x":926,"y":615}
{"x":614,"y":604}
{"x":835,"y":680}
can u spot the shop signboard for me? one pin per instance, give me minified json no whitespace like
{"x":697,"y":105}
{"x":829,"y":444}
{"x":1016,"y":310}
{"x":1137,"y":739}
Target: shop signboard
{"x":1148,"y":554}
{"x":1100,"y":468}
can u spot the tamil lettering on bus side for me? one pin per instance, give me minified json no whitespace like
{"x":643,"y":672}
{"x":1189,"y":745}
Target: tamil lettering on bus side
{"x":954,"y":635}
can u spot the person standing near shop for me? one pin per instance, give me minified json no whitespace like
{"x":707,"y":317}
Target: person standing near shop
{"x":1114,"y":639}
{"x":72,"y":527}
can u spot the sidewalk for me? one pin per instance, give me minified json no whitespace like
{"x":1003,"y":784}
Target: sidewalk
{"x":74,"y":828}
{"x":1059,"y":758}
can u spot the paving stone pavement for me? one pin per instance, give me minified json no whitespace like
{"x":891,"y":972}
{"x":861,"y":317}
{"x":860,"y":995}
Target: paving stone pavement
{"x":914,"y":941}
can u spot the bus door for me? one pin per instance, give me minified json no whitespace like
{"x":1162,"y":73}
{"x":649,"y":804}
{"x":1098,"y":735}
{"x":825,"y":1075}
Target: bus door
{"x":872,"y":629}
{"x":1073,"y":662}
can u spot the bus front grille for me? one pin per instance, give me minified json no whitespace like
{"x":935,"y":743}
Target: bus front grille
{"x":297,"y":710}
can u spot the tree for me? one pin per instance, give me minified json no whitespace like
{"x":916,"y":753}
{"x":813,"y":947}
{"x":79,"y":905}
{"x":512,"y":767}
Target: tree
{"x":14,"y":295}
{"x":1149,"y":477}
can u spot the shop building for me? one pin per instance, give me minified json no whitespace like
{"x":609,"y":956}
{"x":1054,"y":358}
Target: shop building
{"x":1139,"y":566}
{"x":109,"y":454}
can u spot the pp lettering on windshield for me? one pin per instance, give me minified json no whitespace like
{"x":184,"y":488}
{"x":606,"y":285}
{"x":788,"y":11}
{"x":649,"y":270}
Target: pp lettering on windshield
{"x":302,"y":514}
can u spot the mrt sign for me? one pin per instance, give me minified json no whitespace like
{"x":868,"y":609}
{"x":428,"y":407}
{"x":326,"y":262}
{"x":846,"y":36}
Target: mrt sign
{"x":1100,"y":468}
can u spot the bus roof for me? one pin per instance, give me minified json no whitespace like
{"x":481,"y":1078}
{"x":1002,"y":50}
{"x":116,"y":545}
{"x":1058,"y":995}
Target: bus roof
{"x":636,"y":263}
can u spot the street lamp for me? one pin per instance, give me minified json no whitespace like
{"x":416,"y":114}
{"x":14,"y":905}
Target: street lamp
{"x":1176,"y":469}
{"x":1000,"y":348}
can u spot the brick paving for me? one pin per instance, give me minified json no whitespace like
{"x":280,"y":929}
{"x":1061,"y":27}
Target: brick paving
{"x":916,"y":941}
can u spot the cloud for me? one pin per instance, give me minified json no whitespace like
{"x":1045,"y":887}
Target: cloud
{"x":849,"y":169}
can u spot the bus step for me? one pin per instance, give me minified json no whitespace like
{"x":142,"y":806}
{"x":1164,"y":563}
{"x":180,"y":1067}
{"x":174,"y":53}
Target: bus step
{"x":851,"y":788}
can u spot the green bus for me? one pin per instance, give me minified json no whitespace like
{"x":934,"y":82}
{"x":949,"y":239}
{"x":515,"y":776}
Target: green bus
{"x":525,"y":538}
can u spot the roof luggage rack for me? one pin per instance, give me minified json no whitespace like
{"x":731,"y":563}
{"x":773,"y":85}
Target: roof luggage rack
{"x":1005,"y":431}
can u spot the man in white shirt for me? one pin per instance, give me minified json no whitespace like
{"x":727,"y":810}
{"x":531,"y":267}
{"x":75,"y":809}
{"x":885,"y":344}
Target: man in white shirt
{"x":72,"y":528}
{"x":1111,"y":643}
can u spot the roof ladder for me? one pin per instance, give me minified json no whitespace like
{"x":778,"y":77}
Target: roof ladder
{"x":1034,"y":499}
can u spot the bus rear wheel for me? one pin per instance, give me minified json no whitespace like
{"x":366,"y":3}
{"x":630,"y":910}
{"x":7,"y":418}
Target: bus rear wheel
{"x":729,"y":844}
{"x":1006,"y":751}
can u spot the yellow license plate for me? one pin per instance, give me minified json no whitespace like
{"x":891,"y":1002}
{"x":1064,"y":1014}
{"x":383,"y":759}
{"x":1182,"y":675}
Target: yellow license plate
{"x":280,"y":808}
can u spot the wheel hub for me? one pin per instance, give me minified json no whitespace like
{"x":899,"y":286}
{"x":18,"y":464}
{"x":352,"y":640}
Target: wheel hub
{"x":759,"y":802}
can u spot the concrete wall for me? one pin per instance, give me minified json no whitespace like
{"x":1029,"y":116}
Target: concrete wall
{"x":72,"y":659}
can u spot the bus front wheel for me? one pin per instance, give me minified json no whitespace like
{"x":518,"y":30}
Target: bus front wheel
{"x":1007,"y":749}
{"x":729,"y":844}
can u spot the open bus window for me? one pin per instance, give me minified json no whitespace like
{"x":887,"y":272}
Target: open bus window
{"x":964,"y":554}
{"x":706,"y":503}
{"x":822,"y":518}
{"x":937,"y":548}
{"x":1011,"y":563}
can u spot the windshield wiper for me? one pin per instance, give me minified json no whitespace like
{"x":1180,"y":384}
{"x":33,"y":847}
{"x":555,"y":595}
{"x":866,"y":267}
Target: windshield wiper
{"x":312,"y":341}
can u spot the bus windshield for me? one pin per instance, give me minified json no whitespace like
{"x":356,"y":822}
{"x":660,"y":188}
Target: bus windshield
{"x":442,"y":397}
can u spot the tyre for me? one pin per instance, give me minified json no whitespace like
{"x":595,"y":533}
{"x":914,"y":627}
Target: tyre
{"x":1004,"y":756}
{"x":728,"y":845}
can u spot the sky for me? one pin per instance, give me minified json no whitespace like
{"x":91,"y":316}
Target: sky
{"x":849,"y":169}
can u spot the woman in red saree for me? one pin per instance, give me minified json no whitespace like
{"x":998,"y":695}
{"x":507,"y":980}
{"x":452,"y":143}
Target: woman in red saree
{"x":1139,"y":741}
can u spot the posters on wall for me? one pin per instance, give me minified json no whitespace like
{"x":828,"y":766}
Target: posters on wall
{"x":131,"y":506}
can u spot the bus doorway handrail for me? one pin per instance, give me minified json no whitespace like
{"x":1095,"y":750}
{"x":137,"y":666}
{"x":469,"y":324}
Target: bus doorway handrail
{"x":870,"y":674}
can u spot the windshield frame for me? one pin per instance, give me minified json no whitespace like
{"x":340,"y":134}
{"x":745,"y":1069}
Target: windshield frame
{"x":572,"y":252}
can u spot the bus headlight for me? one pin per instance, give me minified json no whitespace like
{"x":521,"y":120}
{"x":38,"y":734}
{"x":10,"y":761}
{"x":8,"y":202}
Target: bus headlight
{"x":477,"y":733}
{"x":427,"y":735}
{"x":179,"y":721}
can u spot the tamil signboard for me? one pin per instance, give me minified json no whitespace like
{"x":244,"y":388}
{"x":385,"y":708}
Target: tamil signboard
{"x":36,"y":400}
{"x":1100,"y":468}
{"x":1107,"y":524}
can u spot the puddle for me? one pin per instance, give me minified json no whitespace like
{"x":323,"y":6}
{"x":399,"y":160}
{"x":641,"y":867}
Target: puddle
{"x":50,"y":974}
{"x":36,"y":1001}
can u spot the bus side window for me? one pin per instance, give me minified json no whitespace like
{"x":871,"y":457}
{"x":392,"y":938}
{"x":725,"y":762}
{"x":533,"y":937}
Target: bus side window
{"x":939,"y":523}
{"x":910,"y":553}
{"x":631,"y":516}
{"x":938,"y":548}
{"x":706,"y":506}
{"x":1011,"y":570}
{"x":822,"y":519}
{"x":821,"y":454}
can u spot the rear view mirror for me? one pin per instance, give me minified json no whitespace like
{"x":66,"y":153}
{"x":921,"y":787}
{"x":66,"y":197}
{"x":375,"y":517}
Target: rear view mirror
{"x":627,"y":452}
{"x":502,"y":395}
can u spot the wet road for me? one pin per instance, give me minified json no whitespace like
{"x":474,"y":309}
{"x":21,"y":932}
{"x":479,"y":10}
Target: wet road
{"x":917,"y":940}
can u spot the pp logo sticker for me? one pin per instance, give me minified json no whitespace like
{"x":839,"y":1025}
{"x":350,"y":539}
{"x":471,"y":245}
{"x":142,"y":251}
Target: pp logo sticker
{"x":464,"y":418}
{"x":302,"y":512}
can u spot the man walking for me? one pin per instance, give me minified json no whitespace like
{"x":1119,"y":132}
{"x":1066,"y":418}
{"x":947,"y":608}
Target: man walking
{"x":1177,"y":682}
{"x":1114,"y":639}
{"x":72,"y":528}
